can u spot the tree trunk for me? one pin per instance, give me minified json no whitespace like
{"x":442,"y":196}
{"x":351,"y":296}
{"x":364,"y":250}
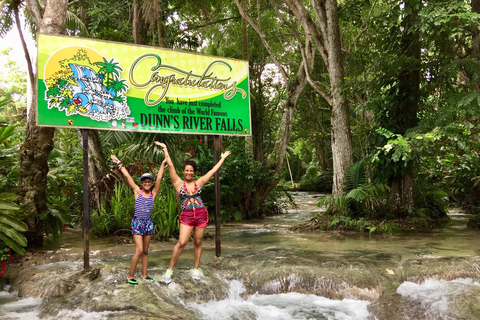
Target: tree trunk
{"x":32,"y":185}
{"x":249,"y":139}
{"x":38,"y":143}
{"x":294,"y":89}
{"x":401,"y":197}
{"x":257,"y":110}
{"x":244,"y":35}
{"x":408,"y":101}
{"x":321,"y":151}
{"x":326,"y":36}
{"x":97,"y":166}
{"x":161,"y":27}
{"x":318,"y":135}
{"x":342,"y":149}
{"x":138,"y":23}
{"x":31,"y":74}
{"x":476,"y":43}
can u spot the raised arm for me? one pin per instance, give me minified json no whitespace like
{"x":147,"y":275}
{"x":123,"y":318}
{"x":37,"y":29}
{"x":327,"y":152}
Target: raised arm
{"x":159,"y":179}
{"x":204,"y":179}
{"x":124,"y":171}
{"x":176,"y":180}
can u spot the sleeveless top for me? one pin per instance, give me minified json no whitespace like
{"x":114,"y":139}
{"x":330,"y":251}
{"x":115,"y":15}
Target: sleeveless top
{"x":143,"y":206}
{"x":191,"y":201}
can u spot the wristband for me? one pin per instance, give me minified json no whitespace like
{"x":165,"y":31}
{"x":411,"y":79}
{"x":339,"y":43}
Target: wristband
{"x":120,"y":165}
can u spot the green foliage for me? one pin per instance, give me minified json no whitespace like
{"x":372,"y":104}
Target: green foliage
{"x":65,"y":184}
{"x":362,"y":197}
{"x":394,"y":156}
{"x":316,"y":180}
{"x":458,"y":175}
{"x":13,"y":88}
{"x":11,"y":213}
{"x":4,"y":254}
{"x":340,"y":222}
{"x":10,"y":224}
{"x":76,"y":25}
{"x":166,"y":213}
{"x":117,"y":212}
{"x":110,"y":20}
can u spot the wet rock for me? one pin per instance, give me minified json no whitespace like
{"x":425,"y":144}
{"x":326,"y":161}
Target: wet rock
{"x":54,"y":280}
{"x":331,"y":279}
{"x":419,"y":303}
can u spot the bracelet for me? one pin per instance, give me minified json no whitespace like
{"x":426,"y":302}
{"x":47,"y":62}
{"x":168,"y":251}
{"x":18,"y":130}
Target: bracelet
{"x":120,"y":165}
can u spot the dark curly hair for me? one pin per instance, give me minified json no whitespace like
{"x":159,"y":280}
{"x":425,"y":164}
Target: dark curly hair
{"x":190,"y":163}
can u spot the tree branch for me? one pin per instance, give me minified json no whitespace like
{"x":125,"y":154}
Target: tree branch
{"x":308,"y":56}
{"x":309,"y":26}
{"x":31,"y":74}
{"x":364,"y":30}
{"x":211,"y":22}
{"x":35,"y":11}
{"x":264,"y":41}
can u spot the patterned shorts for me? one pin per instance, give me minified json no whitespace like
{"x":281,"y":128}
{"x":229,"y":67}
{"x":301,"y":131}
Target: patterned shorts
{"x":142,"y":227}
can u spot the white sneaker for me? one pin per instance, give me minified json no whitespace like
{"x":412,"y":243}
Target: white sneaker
{"x":196,"y":274}
{"x":167,"y":276}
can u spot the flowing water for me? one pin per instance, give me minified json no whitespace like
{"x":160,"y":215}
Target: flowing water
{"x":266,"y":271}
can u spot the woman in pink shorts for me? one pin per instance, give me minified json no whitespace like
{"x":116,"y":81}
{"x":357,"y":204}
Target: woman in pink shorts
{"x":194,"y":216}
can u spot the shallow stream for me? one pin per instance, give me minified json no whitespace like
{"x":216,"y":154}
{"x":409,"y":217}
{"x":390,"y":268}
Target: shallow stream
{"x":266,"y":271}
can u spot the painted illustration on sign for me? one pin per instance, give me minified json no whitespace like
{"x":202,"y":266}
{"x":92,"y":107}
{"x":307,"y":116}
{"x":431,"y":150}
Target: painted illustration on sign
{"x":93,"y":90}
{"x":87,"y":83}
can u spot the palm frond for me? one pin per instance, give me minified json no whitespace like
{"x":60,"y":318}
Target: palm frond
{"x":338,"y":204}
{"x":74,"y":23}
{"x":355,"y":176}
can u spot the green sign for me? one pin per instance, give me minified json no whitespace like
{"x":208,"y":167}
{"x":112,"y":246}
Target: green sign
{"x":86,"y":83}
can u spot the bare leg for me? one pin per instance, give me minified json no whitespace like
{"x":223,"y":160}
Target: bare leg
{"x":185,"y":232}
{"x":136,"y":256}
{"x":197,"y":242}
{"x":146,"y":243}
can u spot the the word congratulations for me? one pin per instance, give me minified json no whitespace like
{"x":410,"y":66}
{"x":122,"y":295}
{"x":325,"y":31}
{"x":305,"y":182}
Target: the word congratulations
{"x":161,"y":84}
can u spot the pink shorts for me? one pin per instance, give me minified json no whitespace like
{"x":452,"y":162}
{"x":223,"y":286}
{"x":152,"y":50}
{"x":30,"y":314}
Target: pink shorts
{"x":197,"y":218}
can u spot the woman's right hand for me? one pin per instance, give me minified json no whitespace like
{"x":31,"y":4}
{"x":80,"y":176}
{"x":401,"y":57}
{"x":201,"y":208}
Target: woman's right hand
{"x":225,"y":154}
{"x":160,"y":144}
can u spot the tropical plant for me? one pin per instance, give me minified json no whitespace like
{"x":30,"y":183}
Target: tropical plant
{"x":165,"y":214}
{"x":11,"y":214}
{"x":117,"y":212}
{"x":362,"y":197}
{"x":394,"y":156}
{"x":10,"y":224}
